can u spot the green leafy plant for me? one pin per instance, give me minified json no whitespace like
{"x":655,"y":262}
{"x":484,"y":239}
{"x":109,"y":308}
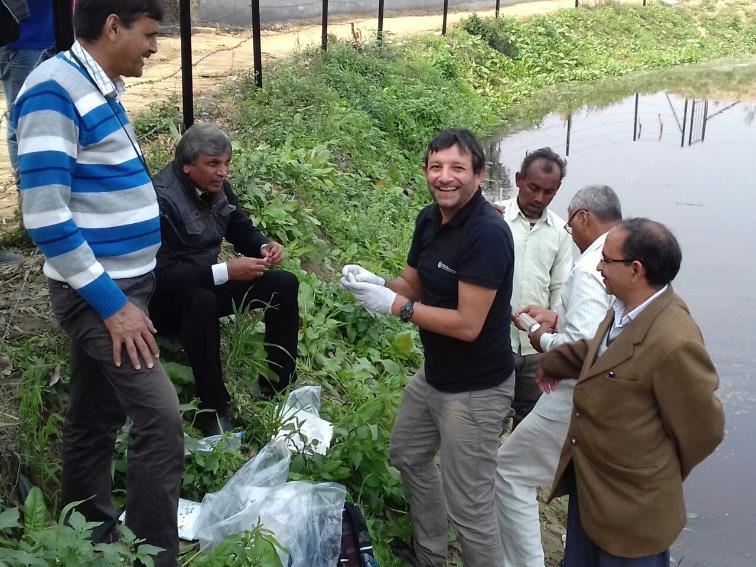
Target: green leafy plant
{"x":255,"y":548}
{"x":208,"y":471}
{"x":67,"y":543}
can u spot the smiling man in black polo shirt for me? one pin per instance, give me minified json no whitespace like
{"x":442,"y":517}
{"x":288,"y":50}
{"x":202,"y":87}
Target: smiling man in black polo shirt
{"x":456,"y":287}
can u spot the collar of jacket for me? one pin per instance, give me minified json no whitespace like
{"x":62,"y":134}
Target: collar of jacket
{"x":622,"y":347}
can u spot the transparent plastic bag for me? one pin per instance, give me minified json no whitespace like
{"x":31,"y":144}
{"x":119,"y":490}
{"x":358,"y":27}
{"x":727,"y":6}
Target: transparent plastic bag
{"x":303,"y":427}
{"x":305,"y":517}
{"x":234,"y":508}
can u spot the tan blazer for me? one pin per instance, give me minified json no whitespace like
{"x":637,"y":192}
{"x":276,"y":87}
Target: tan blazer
{"x":644,"y":415}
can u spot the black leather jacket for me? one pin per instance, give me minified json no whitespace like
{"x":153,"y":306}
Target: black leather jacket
{"x":192,"y":231}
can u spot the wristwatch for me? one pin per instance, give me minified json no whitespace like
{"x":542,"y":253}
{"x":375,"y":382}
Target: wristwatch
{"x":406,"y":312}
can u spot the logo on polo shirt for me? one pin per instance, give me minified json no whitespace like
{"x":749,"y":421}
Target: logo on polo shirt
{"x":444,"y":267}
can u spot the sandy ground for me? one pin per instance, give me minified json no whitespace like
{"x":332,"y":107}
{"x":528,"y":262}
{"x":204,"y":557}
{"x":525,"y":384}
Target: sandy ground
{"x":221,"y":54}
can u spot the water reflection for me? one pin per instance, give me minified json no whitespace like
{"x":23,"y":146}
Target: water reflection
{"x":686,"y":160}
{"x":661,"y":118}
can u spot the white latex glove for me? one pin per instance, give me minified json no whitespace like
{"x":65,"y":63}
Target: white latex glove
{"x":374,"y":298}
{"x":361,"y":274}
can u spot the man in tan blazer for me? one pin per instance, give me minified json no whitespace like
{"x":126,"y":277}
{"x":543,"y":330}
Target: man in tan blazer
{"x":644,"y":412}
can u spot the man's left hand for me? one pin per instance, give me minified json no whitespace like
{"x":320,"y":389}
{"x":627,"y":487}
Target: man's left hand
{"x":545,"y":382}
{"x":272,"y":253}
{"x":374,"y":298}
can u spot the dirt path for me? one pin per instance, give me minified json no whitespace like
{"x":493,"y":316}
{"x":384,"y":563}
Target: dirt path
{"x":221,"y":54}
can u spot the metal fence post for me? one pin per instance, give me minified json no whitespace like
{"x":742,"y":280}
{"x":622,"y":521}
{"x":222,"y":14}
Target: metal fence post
{"x":256,"y":42}
{"x":446,"y":12}
{"x":380,"y":21}
{"x":187,"y":93}
{"x":324,"y":36}
{"x":498,"y":2}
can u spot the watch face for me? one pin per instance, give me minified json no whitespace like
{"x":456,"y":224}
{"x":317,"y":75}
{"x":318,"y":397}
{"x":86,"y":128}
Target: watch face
{"x":405,"y":313}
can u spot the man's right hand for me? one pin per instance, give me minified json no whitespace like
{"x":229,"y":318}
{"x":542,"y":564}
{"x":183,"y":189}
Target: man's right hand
{"x":361,"y":274}
{"x":131,"y":328}
{"x":244,"y":269}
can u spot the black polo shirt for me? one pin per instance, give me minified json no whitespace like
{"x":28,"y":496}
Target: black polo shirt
{"x":474,"y":247}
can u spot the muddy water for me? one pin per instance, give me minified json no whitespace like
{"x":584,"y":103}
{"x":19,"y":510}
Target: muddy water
{"x":682,"y":151}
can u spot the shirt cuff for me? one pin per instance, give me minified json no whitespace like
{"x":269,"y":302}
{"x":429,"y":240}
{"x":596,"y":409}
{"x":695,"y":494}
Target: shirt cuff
{"x":220,"y":273}
{"x":545,"y":341}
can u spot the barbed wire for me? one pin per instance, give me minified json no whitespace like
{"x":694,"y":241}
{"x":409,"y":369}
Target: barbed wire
{"x":194,"y":64}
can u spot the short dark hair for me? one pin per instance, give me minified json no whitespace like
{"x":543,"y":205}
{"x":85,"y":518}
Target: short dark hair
{"x":551,"y":159}
{"x":463,"y":138}
{"x":654,"y":246}
{"x":90,"y":15}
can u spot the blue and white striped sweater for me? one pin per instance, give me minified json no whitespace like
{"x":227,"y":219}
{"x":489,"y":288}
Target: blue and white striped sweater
{"x":87,"y":201}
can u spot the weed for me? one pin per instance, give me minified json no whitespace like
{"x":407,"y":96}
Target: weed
{"x":66,"y":543}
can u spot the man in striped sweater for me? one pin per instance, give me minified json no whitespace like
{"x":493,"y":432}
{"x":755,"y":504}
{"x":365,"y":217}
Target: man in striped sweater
{"x":89,"y":204}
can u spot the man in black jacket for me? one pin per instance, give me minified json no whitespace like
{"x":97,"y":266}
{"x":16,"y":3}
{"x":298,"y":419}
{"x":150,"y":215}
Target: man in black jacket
{"x":198,"y":210}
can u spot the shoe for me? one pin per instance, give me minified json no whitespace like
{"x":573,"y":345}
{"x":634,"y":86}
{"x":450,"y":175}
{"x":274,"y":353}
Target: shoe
{"x":10,"y":257}
{"x":212,"y":423}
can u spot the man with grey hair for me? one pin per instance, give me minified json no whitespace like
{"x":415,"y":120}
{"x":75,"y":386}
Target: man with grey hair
{"x":198,"y":210}
{"x":529,"y":457}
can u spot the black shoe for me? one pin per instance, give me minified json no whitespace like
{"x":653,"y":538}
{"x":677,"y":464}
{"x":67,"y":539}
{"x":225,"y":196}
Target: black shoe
{"x":212,"y":423}
{"x":10,"y":257}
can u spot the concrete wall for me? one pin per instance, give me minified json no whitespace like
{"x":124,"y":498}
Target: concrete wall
{"x":171,"y":12}
{"x":239,"y":13}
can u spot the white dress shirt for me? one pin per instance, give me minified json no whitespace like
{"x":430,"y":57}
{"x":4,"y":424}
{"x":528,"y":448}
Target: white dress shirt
{"x":583,"y":306}
{"x":543,"y":258}
{"x":622,"y":320}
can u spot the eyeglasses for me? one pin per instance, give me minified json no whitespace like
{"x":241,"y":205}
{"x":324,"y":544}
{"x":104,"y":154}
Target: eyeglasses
{"x":567,"y":225}
{"x":605,"y":260}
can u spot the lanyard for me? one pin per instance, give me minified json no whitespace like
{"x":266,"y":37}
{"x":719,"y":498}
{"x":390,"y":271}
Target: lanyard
{"x":114,"y":109}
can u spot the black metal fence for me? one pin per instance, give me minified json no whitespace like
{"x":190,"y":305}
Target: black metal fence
{"x":186,"y":44}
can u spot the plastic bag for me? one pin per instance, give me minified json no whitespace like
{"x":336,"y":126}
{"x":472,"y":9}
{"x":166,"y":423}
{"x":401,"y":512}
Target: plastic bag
{"x":206,"y":444}
{"x":233,"y":509}
{"x":303,"y":426}
{"x":305,"y":517}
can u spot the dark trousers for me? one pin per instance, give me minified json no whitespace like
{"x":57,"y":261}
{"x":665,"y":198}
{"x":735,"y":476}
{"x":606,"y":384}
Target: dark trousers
{"x":194,"y":314}
{"x":527,"y":391}
{"x":580,"y":551}
{"x":101,"y":397}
